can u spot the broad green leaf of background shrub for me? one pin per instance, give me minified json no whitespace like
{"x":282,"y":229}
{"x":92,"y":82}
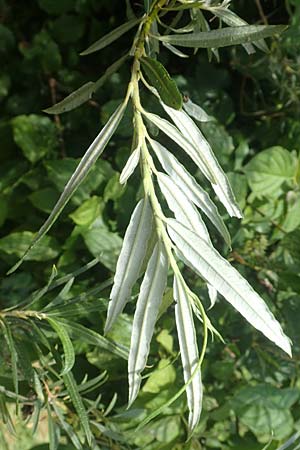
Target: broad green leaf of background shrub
{"x":269,"y":170}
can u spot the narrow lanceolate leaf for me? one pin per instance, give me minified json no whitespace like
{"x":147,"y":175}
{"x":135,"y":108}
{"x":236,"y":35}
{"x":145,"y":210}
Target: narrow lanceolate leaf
{"x":196,"y":111}
{"x":67,"y":427}
{"x":184,"y":212}
{"x":231,"y":19}
{"x":175,"y":50}
{"x":183,"y":209}
{"x":76,"y":98}
{"x":213,"y":268}
{"x":13,"y":353}
{"x":84,"y":93}
{"x":88,"y":160}
{"x":110,"y":37}
{"x":52,"y":430}
{"x":221,"y":184}
{"x":213,"y":295}
{"x":145,"y":316}
{"x":224,"y":36}
{"x":63,"y":335}
{"x":130,"y":165}
{"x":130,"y":260}
{"x":83,"y":334}
{"x":191,"y":188}
{"x":182,"y":141}
{"x":188,"y":350}
{"x":76,"y":399}
{"x":160,"y":79}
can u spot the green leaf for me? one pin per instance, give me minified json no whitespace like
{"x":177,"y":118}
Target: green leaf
{"x":103,"y":244}
{"x":223,"y":37}
{"x":83,"y":168}
{"x":213,"y":268}
{"x":160,"y":378}
{"x":17,"y":243}
{"x":76,"y":399}
{"x":59,"y":172}
{"x":84,"y":93}
{"x":73,"y":100}
{"x":79,"y":309}
{"x":150,"y":296}
{"x":44,"y":199}
{"x":91,"y":337}
{"x":268,"y":170}
{"x":54,"y":7}
{"x":266,"y":410}
{"x":67,"y":427}
{"x":87,"y":213}
{"x":130,"y":260}
{"x":69,"y":353}
{"x":231,"y":19}
{"x":13,"y":353}
{"x":110,"y":37}
{"x":53,"y":437}
{"x":36,"y":135}
{"x":160,"y":79}
{"x":292,"y":218}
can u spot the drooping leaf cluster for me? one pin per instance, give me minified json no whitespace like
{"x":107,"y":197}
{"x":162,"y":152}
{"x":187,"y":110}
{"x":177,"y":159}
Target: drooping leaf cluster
{"x":155,"y":245}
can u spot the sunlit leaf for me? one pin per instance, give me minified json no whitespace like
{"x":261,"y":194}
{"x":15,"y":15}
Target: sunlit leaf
{"x":220,"y":184}
{"x":130,"y":260}
{"x":182,"y":141}
{"x":190,"y":187}
{"x":196,"y":111}
{"x":188,"y":350}
{"x":183,"y":209}
{"x":130,"y":165}
{"x":213,"y":268}
{"x":151,"y":292}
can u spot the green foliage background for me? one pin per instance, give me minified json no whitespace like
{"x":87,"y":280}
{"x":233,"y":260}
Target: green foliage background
{"x":252,"y":389}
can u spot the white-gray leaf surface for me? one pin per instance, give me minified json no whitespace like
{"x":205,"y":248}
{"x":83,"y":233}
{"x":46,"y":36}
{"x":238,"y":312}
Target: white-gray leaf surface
{"x":145,"y":316}
{"x":192,"y":133}
{"x":183,"y":209}
{"x":190,"y":187}
{"x":130,"y":165}
{"x":189,"y":351}
{"x":196,"y":111}
{"x":182,"y":141}
{"x":130,"y":260}
{"x":216,"y":270}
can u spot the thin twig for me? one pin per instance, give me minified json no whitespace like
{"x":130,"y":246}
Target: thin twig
{"x":261,"y":12}
{"x":52,"y":84}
